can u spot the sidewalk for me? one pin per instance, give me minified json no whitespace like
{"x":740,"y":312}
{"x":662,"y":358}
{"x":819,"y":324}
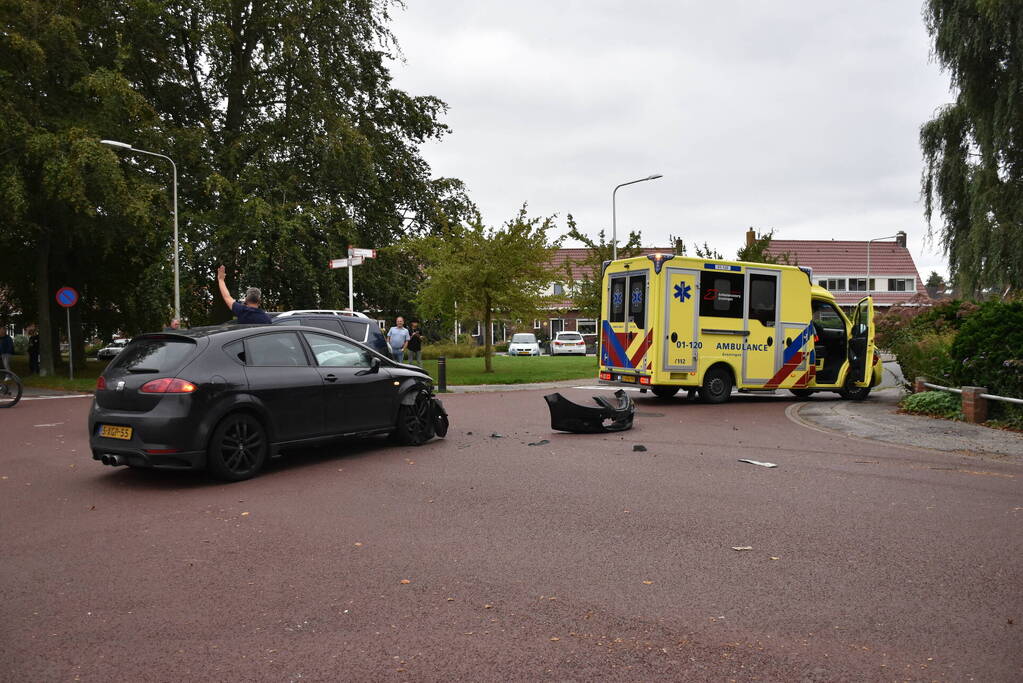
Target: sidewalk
{"x":877,"y":419}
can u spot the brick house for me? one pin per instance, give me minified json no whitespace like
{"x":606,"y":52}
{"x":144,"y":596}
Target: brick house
{"x":841,"y":267}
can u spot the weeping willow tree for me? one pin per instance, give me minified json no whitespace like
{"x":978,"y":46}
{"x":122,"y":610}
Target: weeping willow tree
{"x":973,"y":147}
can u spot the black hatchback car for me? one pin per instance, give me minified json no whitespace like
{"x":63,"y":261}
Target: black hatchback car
{"x":227,"y":398}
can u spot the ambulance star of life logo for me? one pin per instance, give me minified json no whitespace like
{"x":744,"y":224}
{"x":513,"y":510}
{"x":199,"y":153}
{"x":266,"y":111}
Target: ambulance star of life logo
{"x":683,"y":292}
{"x":616,"y":298}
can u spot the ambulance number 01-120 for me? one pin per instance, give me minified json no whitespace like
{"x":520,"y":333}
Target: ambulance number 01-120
{"x":688,"y":344}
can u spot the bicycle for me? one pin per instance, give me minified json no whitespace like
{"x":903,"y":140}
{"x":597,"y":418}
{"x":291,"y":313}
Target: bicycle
{"x":10,"y":389}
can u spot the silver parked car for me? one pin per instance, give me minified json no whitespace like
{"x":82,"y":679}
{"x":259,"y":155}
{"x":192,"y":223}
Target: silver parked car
{"x":523,"y":344}
{"x":111,"y":351}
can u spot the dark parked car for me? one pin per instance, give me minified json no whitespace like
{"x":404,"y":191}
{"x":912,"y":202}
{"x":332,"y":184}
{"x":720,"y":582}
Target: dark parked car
{"x":226,"y":398}
{"x":361,"y":329}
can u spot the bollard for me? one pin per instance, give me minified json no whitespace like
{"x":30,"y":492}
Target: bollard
{"x":918,"y":385}
{"x":974,"y":407}
{"x":442,"y":375}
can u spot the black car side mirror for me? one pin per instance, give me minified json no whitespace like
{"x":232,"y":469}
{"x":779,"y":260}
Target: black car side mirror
{"x":374,"y":367}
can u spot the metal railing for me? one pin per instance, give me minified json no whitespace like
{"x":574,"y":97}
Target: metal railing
{"x":990,"y":397}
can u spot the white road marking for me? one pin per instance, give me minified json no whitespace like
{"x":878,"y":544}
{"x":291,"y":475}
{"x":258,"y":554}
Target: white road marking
{"x":50,"y":424}
{"x":607,"y":388}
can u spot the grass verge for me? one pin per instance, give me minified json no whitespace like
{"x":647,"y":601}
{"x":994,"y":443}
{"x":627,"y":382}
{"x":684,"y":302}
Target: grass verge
{"x":507,"y":370}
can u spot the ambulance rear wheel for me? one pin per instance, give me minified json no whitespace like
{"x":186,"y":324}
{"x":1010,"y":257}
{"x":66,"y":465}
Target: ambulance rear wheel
{"x":801,"y":393}
{"x":717,"y":386}
{"x":664,"y":392}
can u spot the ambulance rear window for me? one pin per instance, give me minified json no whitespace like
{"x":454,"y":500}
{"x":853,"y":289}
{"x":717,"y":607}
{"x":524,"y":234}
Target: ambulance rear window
{"x":617,"y":313}
{"x":721,"y":294}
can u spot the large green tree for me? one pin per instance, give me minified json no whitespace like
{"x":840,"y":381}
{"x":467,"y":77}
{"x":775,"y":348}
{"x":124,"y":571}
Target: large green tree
{"x":69,"y":214}
{"x":973,"y":147}
{"x":487,"y":272}
{"x":294,"y":142}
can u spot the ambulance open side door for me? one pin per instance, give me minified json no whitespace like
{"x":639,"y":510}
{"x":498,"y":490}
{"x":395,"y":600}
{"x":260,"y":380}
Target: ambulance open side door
{"x":861,"y":342}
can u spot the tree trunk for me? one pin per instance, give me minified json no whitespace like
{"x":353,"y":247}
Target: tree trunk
{"x":487,"y":335}
{"x":43,"y":305}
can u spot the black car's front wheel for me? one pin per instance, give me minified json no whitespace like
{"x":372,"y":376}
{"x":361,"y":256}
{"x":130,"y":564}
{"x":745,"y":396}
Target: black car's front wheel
{"x":415,"y":421}
{"x":238,"y":448}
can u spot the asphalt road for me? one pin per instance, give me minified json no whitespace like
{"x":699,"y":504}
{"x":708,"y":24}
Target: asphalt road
{"x":484,"y":558}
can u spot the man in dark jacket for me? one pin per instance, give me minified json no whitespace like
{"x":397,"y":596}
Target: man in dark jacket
{"x":33,"y":349}
{"x":6,"y":348}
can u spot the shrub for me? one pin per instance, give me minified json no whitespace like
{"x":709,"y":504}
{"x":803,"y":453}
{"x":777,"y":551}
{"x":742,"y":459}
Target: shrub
{"x":20,"y":344}
{"x":988,"y":352}
{"x":926,"y":356}
{"x":921,"y":336}
{"x":450,"y":350}
{"x":936,"y":403}
{"x":502,"y":347}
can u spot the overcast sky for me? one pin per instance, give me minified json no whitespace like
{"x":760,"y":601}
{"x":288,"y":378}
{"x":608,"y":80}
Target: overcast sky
{"x":797,"y":116}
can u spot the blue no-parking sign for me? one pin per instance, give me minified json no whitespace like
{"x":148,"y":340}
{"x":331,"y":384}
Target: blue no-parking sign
{"x":67,"y":297}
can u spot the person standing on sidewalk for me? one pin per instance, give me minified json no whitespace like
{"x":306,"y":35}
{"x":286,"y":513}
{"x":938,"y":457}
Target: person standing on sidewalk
{"x":6,"y":348}
{"x":415,"y":344}
{"x":397,"y":339}
{"x":33,"y":349}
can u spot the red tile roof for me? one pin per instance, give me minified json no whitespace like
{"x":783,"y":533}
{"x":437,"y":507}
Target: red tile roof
{"x":564,"y":256}
{"x":845,"y":258}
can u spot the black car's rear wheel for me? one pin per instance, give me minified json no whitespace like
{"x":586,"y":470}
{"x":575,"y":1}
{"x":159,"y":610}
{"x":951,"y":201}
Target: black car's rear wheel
{"x":415,"y":421}
{"x":238,"y":448}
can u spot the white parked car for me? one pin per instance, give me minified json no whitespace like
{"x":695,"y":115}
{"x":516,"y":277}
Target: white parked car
{"x":108,"y":352}
{"x":523,"y":344}
{"x":568,"y":342}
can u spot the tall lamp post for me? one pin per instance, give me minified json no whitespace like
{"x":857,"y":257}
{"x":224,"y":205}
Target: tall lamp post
{"x":876,"y":239}
{"x":174,"y":191}
{"x":614,"y":212}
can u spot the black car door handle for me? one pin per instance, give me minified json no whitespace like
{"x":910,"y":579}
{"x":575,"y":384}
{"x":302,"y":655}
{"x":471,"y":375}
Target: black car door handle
{"x":331,"y":377}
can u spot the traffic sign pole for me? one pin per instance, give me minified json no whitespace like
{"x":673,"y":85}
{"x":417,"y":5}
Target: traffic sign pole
{"x":356,"y":257}
{"x":351,"y":296}
{"x":68,"y":297}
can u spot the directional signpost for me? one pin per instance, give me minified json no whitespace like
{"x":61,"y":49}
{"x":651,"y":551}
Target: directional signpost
{"x":68,"y":297}
{"x":356,"y":257}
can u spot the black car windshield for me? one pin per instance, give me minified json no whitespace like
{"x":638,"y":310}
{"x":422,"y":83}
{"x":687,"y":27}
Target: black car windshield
{"x":153,"y":355}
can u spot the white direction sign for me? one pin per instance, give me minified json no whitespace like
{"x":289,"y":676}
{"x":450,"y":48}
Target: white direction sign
{"x":365,"y":253}
{"x":346,"y":262}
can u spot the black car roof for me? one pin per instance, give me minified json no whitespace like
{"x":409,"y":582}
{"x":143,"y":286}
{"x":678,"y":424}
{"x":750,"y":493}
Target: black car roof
{"x":320,"y":316}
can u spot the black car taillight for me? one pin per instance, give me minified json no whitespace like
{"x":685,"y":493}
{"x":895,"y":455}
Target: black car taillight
{"x":168,"y":385}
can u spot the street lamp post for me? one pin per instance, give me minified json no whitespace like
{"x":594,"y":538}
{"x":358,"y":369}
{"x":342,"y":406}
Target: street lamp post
{"x":174,"y":191}
{"x":614,"y":217}
{"x":876,"y":239}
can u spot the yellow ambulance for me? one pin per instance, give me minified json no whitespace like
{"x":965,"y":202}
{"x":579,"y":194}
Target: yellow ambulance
{"x":671,"y":322}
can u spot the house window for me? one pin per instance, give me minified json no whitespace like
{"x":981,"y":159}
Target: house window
{"x":860,"y":284}
{"x":833,"y":284}
{"x":536,"y":324}
{"x":901,"y":285}
{"x":478,"y":330}
{"x":586,"y":326}
{"x":558,"y":288}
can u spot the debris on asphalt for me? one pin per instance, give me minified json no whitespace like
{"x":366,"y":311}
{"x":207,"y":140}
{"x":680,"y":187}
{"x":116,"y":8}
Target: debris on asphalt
{"x":866,"y":462}
{"x":495,"y":435}
{"x":742,"y":547}
{"x":757,"y":462}
{"x":606,"y":416}
{"x":639,"y":448}
{"x":541,"y":442}
{"x":468,"y":433}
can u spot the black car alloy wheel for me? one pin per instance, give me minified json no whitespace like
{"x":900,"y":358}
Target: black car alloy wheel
{"x":415,"y":420}
{"x":238,"y":448}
